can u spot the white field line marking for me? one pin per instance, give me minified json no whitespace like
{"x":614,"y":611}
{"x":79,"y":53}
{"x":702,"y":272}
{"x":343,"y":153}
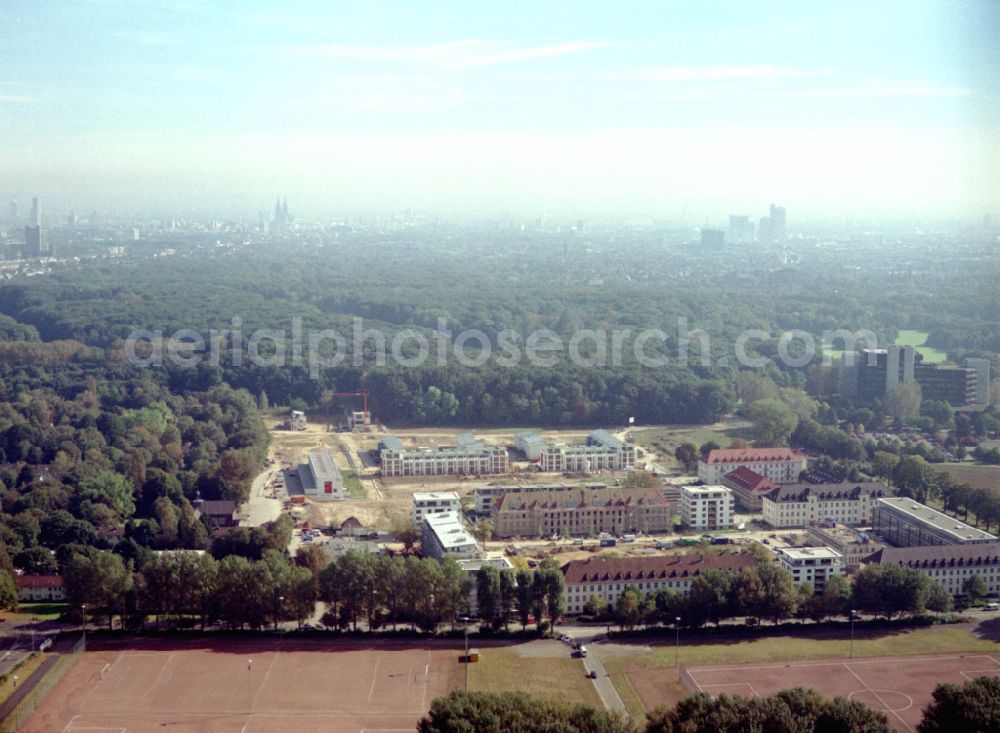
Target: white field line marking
{"x":879,"y":697}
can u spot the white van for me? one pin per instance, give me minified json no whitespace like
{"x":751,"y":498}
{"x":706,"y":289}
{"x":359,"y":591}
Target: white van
{"x":992,"y":607}
{"x":582,"y":651}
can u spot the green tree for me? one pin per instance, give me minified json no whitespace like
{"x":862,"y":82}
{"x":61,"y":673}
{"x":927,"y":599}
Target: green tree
{"x":407,"y":532}
{"x":902,"y":400}
{"x":974,"y":588}
{"x":939,"y":600}
{"x":773,"y":422}
{"x":687,"y":455}
{"x":628,"y":611}
{"x":488,"y":594}
{"x":525,"y":596}
{"x":8,"y":592}
{"x":709,"y":597}
{"x":971,"y":707}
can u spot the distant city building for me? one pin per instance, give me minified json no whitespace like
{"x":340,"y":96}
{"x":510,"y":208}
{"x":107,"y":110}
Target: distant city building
{"x":320,"y":477}
{"x":281,"y":218}
{"x":713,"y":238}
{"x":433,"y":502}
{"x":607,"y":578}
{"x":813,"y":565}
{"x":602,"y":451}
{"x":870,"y":373}
{"x":444,"y":535}
{"x":584,"y":512}
{"x":776,"y":221}
{"x":780,"y":465}
{"x":907,"y":523}
{"x":467,"y":458}
{"x":798,"y":505}
{"x":741,"y":230}
{"x":854,"y":545}
{"x":949,"y":565}
{"x":36,"y":243}
{"x":485,"y":496}
{"x":748,"y":486}
{"x":706,"y":508}
{"x":36,"y":212}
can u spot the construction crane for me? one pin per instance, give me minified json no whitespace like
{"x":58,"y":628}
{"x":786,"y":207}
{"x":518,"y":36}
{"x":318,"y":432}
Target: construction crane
{"x":365,"y":415}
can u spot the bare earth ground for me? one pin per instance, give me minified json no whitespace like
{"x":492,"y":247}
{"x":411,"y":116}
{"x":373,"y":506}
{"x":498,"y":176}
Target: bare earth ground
{"x":248,"y":687}
{"x":389,"y":500}
{"x":900,"y":687}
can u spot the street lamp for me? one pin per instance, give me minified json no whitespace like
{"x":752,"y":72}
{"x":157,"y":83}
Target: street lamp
{"x":677,"y":642}
{"x":277,"y":613}
{"x":852,"y":633}
{"x":249,"y":685}
{"x":83,"y":617}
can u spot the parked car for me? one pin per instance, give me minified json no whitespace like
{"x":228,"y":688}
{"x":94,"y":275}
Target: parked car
{"x":592,"y":674}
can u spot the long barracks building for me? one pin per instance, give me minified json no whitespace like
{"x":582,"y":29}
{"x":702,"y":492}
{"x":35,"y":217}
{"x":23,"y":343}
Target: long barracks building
{"x":607,"y":578}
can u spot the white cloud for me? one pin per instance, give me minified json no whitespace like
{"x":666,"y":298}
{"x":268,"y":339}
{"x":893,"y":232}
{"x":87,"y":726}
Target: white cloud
{"x":758,"y":72}
{"x":449,"y":54}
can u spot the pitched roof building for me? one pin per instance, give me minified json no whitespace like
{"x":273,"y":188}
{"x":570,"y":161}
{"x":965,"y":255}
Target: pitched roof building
{"x":781,"y":465}
{"x":607,"y":578}
{"x":748,"y":487}
{"x":949,"y":565}
{"x":798,"y":505}
{"x":583,"y":511}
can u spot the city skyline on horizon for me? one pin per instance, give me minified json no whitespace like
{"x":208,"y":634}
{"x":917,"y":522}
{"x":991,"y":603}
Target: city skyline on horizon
{"x":852,"y":111}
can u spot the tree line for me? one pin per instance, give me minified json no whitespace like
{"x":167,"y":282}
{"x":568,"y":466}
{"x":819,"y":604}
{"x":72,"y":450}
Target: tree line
{"x":969,"y":707}
{"x":768,"y":592}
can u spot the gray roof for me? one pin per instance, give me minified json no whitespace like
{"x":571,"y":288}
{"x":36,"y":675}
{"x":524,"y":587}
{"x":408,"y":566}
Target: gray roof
{"x":923,"y":514}
{"x":938,"y":555}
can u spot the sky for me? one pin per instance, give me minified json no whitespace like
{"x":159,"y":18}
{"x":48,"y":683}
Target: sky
{"x":833,"y":109}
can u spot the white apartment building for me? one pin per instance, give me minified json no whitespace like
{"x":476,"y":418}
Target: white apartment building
{"x":444,"y":535}
{"x":949,"y":565}
{"x":781,"y":465}
{"x":468,"y":458}
{"x":707,"y":507}
{"x":433,"y":502}
{"x":799,"y":505}
{"x":607,"y":578}
{"x":813,"y":565}
{"x":601,"y":452}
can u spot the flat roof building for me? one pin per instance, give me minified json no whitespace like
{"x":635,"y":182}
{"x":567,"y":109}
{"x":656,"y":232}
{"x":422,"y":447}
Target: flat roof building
{"x":469,"y":457}
{"x":320,"y":477}
{"x":813,"y":565}
{"x":433,"y":502}
{"x":707,"y":507}
{"x":444,"y":535}
{"x":907,"y":523}
{"x":854,"y":545}
{"x":602,"y":451}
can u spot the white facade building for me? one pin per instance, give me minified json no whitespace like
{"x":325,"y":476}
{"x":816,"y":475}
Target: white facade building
{"x":949,"y":565}
{"x":601,"y":452}
{"x":707,"y":507}
{"x":444,"y":535}
{"x":607,"y":578}
{"x":799,"y":505}
{"x":781,"y":465}
{"x":468,"y":458}
{"x":433,"y":502}
{"x":813,"y":565}
{"x":320,"y":477}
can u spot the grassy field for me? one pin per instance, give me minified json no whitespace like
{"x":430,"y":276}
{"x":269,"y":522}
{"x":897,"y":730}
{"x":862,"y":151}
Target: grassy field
{"x":503,"y":669}
{"x":917,"y":339}
{"x":42,"y":611}
{"x":875,"y":643}
{"x":981,"y":476}
{"x":22,"y":672}
{"x":665,"y":440}
{"x":353,"y":485}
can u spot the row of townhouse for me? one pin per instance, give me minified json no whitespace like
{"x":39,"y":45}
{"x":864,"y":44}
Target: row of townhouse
{"x":469,"y":457}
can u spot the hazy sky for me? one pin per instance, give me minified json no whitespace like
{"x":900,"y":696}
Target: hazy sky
{"x":846,"y":108}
